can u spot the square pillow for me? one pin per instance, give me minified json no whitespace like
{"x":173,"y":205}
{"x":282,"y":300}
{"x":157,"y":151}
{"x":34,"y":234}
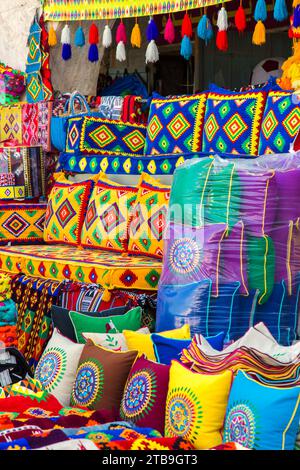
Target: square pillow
{"x":144,"y":345}
{"x":250,"y":418}
{"x":145,"y":393}
{"x":67,"y":205}
{"x":196,"y":406}
{"x":175,"y":124}
{"x":112,"y":341}
{"x":115,"y":324}
{"x":101,"y":377}
{"x":57,"y":367}
{"x":106,"y":222}
{"x":280,"y":124}
{"x":232,"y":122}
{"x":148,"y":219}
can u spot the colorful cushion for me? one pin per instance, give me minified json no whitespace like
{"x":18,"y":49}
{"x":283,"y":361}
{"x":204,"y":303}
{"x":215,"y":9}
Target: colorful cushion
{"x":288,"y":191}
{"x":113,"y":341}
{"x":261,"y":266}
{"x":192,"y":254}
{"x":101,"y":377}
{"x":22,"y":223}
{"x":232,"y":123}
{"x":250,"y":417}
{"x":281,"y":123}
{"x":149,"y":218}
{"x":186,"y":304}
{"x":57,"y":367}
{"x":144,"y":345}
{"x":175,"y":124}
{"x":145,"y":393}
{"x":66,"y":210}
{"x":115,"y":324}
{"x":223,"y":310}
{"x":106,"y":221}
{"x":196,"y":406}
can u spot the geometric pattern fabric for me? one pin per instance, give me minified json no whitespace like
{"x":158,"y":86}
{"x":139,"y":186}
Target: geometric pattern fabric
{"x":175,"y":125}
{"x":281,"y":123}
{"x":22,"y":223}
{"x":232,"y":123}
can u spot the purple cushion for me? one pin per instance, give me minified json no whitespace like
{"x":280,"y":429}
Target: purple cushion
{"x":288,"y":188}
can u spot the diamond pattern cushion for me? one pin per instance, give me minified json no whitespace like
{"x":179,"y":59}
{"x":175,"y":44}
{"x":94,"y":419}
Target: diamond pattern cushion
{"x":66,"y":209}
{"x":232,"y":123}
{"x":106,"y":222}
{"x":149,"y":218}
{"x":175,"y":124}
{"x":281,"y":123}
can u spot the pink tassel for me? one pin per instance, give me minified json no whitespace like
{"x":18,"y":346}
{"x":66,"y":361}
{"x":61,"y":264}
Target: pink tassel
{"x":169,"y":34}
{"x":121,"y":33}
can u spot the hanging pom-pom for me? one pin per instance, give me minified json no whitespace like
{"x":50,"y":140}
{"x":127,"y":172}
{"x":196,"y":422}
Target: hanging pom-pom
{"x":107,"y":37}
{"x":120,"y":52}
{"x":93,"y":54}
{"x":152,"y":54}
{"x":259,"y":35}
{"x":79,"y":39}
{"x":240,"y":19}
{"x":186,"y":27}
{"x":222,"y":21}
{"x":66,"y":52}
{"x":296,"y":3}
{"x":152,"y":31}
{"x":121,"y":33}
{"x":222,"y":40}
{"x":296,"y":17}
{"x":52,"y":39}
{"x":204,"y":29}
{"x":280,"y":10}
{"x":186,"y":49}
{"x":93,"y":34}
{"x":169,"y":33}
{"x":260,"y":12}
{"x":136,"y":38}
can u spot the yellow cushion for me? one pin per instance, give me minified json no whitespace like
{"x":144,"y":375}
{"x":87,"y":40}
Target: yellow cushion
{"x":196,"y":405}
{"x":143,"y":343}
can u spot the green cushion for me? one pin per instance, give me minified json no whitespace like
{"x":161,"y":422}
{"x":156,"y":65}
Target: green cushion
{"x":261,"y":265}
{"x":85,"y":324}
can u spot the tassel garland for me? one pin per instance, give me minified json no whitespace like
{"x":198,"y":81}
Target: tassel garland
{"x":66,"y":52}
{"x":52,"y":39}
{"x":93,"y":54}
{"x":259,"y":35}
{"x":280,"y":10}
{"x":136,"y":38}
{"x":79,"y":39}
{"x":222,"y":23}
{"x":260,"y":12}
{"x":169,"y":34}
{"x":107,"y":37}
{"x":204,"y":29}
{"x":240,"y":19}
{"x":152,"y":54}
{"x":186,"y":49}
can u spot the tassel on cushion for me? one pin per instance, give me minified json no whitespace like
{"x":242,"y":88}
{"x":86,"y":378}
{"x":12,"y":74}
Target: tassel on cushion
{"x":169,"y":33}
{"x":52,"y":38}
{"x":136,"y":38}
{"x":66,"y":52}
{"x":259,"y":35}
{"x":107,"y":37}
{"x":240,"y":19}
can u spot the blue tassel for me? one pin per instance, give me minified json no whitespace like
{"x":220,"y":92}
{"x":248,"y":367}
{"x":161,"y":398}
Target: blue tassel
{"x":79,"y":39}
{"x":296,"y":21}
{"x":186,"y":49}
{"x":93,"y":53}
{"x":66,"y":52}
{"x":152,"y":31}
{"x":260,"y":12}
{"x":280,"y":10}
{"x":204,"y":29}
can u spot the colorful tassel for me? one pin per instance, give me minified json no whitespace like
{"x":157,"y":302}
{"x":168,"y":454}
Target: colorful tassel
{"x":222,"y":41}
{"x":222,"y":23}
{"x":93,"y":54}
{"x":204,"y":29}
{"x":121,"y":52}
{"x":186,"y":49}
{"x":186,"y":27}
{"x":52,"y":38}
{"x":240,"y":19}
{"x":260,"y":12}
{"x":296,"y":17}
{"x":121,"y":33}
{"x":107,"y":37}
{"x":296,"y":3}
{"x":136,"y":38}
{"x":79,"y":39}
{"x":152,"y":32}
{"x":259,"y":35}
{"x":152,"y":54}
{"x":66,"y":52}
{"x":280,"y":10}
{"x":169,"y":34}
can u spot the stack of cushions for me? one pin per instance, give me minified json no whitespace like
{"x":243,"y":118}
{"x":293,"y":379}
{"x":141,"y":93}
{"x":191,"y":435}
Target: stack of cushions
{"x":232,"y":247}
{"x":8,"y":314}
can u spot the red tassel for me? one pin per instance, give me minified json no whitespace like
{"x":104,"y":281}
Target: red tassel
{"x":187,"y":27}
{"x":240,"y":19}
{"x":93,"y":34}
{"x":291,"y":33}
{"x":222,"y":40}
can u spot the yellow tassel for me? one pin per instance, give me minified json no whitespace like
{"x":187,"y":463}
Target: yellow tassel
{"x":136,"y":39}
{"x":106,"y":296}
{"x":296,"y":3}
{"x":52,"y":39}
{"x":259,"y":35}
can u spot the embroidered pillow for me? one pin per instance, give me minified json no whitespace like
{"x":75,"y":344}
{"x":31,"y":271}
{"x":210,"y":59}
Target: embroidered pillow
{"x":113,"y":341}
{"x":250,"y":419}
{"x":232,"y":122}
{"x":101,"y":377}
{"x":57,"y":367}
{"x":196,"y":406}
{"x":280,"y":124}
{"x":148,"y":220}
{"x":145,"y":393}
{"x":175,"y":124}
{"x":66,"y":210}
{"x":106,"y":221}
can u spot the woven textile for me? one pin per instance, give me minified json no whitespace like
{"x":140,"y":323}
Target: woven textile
{"x":21,"y":223}
{"x":141,"y":443}
{"x":107,"y":217}
{"x":8,"y":336}
{"x":59,"y":262}
{"x":11,"y":123}
{"x":281,"y":123}
{"x":232,"y":123}
{"x":7,"y":179}
{"x":175,"y":125}
{"x":45,"y":65}
{"x":98,"y":136}
{"x":34,"y":298}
